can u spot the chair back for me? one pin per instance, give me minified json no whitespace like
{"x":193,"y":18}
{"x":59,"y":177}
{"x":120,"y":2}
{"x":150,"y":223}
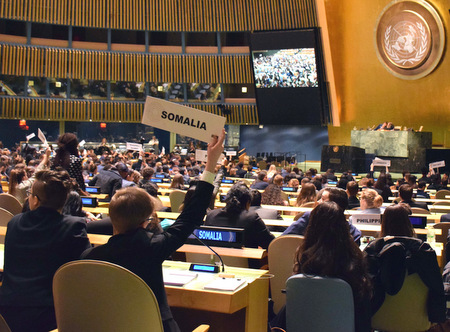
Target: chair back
{"x":416,"y":210}
{"x":5,"y":217}
{"x":317,"y":304}
{"x":444,"y":226}
{"x":10,"y":203}
{"x":281,"y":254}
{"x":93,"y":296}
{"x":405,"y":311}
{"x":442,"y":193}
{"x":442,"y":203}
{"x":309,"y":204}
{"x":3,"y":325}
{"x":176,"y":199}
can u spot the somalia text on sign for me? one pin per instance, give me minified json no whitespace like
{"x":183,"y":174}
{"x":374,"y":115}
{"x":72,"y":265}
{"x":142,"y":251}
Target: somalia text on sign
{"x":182,"y":120}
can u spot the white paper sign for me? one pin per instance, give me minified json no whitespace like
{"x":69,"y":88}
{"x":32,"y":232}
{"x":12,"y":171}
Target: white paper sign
{"x":134,"y":146}
{"x":437,"y":164}
{"x":230,"y":153}
{"x":183,"y":152}
{"x":31,"y":136}
{"x":381,"y":162}
{"x":221,"y":158}
{"x":182,"y":120}
{"x":201,"y":155}
{"x":366,"y":219}
{"x":82,"y":143}
{"x":42,"y":137}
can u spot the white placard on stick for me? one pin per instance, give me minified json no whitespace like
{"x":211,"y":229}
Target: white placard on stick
{"x":134,"y":146}
{"x":42,"y":138}
{"x":230,"y":153}
{"x":381,"y":162}
{"x":82,"y":143}
{"x":437,"y":164}
{"x":201,"y":155}
{"x":181,"y":119}
{"x":31,"y":136}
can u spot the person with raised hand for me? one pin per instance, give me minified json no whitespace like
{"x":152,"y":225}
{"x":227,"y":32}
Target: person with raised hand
{"x":143,"y":252}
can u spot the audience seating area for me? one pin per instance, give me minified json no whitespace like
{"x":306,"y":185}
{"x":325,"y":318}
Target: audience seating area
{"x":73,"y":281}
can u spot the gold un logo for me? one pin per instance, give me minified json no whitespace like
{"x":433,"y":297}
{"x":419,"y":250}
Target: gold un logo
{"x":410,"y":38}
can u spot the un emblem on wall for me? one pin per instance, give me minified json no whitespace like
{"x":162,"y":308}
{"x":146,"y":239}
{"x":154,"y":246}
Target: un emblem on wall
{"x":410,"y":38}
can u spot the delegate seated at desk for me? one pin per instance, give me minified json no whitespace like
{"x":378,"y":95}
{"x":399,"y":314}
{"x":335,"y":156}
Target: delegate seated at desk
{"x":143,"y":252}
{"x":235,"y":214}
{"x":328,"y":194}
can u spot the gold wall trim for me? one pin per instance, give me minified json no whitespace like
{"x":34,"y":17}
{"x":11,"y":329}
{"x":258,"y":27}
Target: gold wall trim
{"x":104,"y":111}
{"x":131,"y":67}
{"x":166,"y":15}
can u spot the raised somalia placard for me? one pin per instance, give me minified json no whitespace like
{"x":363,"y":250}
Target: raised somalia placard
{"x":181,"y":119}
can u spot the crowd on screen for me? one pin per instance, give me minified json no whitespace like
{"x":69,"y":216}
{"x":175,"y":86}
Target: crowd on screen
{"x":49,"y":184}
{"x":286,"y":68}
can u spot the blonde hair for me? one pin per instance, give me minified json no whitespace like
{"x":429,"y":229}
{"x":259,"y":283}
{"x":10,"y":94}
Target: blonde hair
{"x":372,"y":198}
{"x":129,"y":208}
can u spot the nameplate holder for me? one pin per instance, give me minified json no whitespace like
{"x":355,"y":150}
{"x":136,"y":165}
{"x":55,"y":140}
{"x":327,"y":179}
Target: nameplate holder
{"x":367,"y":219}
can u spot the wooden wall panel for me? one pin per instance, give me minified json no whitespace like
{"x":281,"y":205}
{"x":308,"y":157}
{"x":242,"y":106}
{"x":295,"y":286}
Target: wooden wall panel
{"x":84,"y":110}
{"x":166,"y":15}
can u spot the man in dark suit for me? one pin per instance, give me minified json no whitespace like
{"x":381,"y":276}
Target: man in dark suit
{"x":240,"y":170}
{"x":109,"y":179}
{"x":406,"y":192}
{"x":352,"y":190}
{"x":143,"y":252}
{"x":261,"y":181}
{"x":37,"y":243}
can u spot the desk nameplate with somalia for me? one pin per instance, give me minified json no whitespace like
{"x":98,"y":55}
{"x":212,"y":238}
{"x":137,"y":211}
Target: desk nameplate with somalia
{"x":181,"y":119}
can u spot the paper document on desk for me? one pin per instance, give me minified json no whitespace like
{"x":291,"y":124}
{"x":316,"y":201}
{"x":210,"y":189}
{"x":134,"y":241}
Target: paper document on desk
{"x":178,"y":278}
{"x":225,"y":284}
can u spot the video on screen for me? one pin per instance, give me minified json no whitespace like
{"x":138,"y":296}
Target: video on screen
{"x":286,"y":68}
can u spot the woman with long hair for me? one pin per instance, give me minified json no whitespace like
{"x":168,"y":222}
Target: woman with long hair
{"x":395,"y":221}
{"x":177,"y":182}
{"x":382,"y":187}
{"x":20,"y":182}
{"x":307,"y":194}
{"x":16,"y":177}
{"x":68,"y":158}
{"x":272,"y":171}
{"x":273,"y":195}
{"x":330,"y":251}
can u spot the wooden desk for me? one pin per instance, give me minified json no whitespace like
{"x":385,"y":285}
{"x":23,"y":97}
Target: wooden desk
{"x":100,"y":196}
{"x":223,"y":251}
{"x":251,"y":297}
{"x":287,"y":208}
{"x":97,"y":210}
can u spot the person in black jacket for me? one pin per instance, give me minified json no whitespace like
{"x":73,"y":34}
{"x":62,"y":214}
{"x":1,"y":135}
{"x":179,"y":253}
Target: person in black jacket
{"x":143,"y":252}
{"x":406,"y":192}
{"x":109,"y":179}
{"x":398,"y":252}
{"x":236,"y":214}
{"x":37,"y":243}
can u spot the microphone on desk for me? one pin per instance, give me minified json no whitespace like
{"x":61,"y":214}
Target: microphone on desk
{"x":220,"y":258}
